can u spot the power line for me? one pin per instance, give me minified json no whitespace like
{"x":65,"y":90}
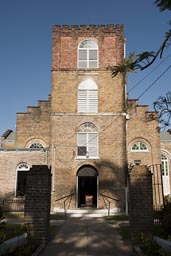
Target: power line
{"x":139,"y":82}
{"x":154,"y":82}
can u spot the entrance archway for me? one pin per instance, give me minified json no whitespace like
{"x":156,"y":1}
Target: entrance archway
{"x":87,"y":181}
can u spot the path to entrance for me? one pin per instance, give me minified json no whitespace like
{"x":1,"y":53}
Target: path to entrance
{"x":88,"y":236}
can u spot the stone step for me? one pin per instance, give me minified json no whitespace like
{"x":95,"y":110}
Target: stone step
{"x":88,"y":211}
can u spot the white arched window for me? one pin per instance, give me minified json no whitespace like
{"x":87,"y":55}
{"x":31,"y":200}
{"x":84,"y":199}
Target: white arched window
{"x":87,"y":141}
{"x":88,"y":54}
{"x":165,"y":174}
{"x":21,"y":179}
{"x":87,"y":97}
{"x":139,"y":146}
{"x":36,"y":145}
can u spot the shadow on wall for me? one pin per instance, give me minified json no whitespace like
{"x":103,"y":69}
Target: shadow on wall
{"x":111,"y":183}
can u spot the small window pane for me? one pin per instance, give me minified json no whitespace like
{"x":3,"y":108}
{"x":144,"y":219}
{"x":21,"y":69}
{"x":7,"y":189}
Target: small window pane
{"x":93,"y":55}
{"x":81,"y":139}
{"x":81,"y":151}
{"x":82,"y":64}
{"x":93,"y":64}
{"x":135,"y":147}
{"x":143,"y":146}
{"x":82,"y":54}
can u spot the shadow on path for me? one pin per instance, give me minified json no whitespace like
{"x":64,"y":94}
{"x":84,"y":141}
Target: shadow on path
{"x":88,"y":237}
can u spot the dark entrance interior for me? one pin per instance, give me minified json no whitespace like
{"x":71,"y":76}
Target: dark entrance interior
{"x":87,"y":187}
{"x":21,"y":183}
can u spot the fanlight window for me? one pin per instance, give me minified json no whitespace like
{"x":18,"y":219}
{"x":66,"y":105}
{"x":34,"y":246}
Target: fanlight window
{"x":23,"y":167}
{"x":88,"y":97}
{"x":88,"y":54}
{"x":139,"y":146}
{"x":36,"y":145}
{"x":87,"y":141}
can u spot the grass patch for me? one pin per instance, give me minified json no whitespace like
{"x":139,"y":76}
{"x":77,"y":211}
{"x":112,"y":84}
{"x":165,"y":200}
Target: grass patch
{"x":57,"y":217}
{"x":16,"y":215}
{"x":8,"y":231}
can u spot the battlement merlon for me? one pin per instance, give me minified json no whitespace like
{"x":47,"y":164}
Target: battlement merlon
{"x":109,"y":28}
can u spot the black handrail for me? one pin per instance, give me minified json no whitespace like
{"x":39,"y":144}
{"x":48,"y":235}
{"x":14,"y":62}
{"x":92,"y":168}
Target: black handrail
{"x":106,"y":198}
{"x":65,"y":201}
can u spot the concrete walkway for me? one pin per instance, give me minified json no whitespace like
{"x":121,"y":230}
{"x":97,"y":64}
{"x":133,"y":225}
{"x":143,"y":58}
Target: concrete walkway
{"x":88,"y":236}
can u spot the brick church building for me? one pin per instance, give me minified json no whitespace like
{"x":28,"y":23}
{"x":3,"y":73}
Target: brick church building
{"x":88,"y":132}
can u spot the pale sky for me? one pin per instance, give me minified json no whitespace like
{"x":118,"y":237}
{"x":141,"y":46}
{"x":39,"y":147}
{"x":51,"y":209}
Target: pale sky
{"x":26,"y":46}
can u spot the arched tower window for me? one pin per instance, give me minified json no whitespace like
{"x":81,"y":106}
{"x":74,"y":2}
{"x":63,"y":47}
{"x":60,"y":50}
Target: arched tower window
{"x":88,"y":54}
{"x":88,"y":97}
{"x":87,"y":141}
{"x":21,"y":179}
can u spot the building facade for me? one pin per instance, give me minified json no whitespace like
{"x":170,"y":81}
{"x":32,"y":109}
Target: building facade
{"x":88,"y":131}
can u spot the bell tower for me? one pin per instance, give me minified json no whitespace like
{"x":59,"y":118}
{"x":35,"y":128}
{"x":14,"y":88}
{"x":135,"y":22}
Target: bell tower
{"x":87,"y":109}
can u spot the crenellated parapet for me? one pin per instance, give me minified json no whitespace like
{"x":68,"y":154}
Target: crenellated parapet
{"x":91,"y":27}
{"x":141,"y":112}
{"x":66,"y":39}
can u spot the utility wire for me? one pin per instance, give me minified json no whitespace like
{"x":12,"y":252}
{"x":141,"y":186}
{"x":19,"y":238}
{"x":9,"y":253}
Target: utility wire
{"x":154,"y":82}
{"x":139,"y":82}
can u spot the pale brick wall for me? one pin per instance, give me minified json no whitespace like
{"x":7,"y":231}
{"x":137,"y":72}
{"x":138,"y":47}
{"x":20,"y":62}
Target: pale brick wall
{"x":9,"y":160}
{"x":35,"y":124}
{"x":142,"y":126}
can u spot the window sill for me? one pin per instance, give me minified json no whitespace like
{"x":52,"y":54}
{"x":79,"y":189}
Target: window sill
{"x":87,"y":158}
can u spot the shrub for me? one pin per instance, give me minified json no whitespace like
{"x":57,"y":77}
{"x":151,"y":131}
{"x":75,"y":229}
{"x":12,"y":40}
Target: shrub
{"x":151,"y":248}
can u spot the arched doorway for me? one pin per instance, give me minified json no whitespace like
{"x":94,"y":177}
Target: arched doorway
{"x":87,"y":180}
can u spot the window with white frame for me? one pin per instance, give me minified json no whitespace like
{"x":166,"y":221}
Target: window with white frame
{"x":87,"y":141}
{"x":36,"y":145}
{"x":164,"y":162}
{"x":165,"y":174}
{"x":21,"y":179}
{"x":139,"y":146}
{"x":87,"y":97}
{"x":88,"y":54}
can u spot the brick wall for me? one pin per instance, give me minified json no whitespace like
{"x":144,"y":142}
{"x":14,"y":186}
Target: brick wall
{"x":37,"y":203}
{"x":110,"y":41}
{"x":35,"y":124}
{"x":9,"y":160}
{"x":142,"y":126}
{"x":140,"y":199}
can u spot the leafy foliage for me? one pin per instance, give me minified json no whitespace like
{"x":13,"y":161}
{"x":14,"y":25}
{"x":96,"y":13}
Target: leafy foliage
{"x":163,"y":106}
{"x":145,"y":59}
{"x":163,"y":4}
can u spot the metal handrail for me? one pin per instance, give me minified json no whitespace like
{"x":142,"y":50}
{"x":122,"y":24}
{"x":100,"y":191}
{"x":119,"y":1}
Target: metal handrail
{"x":65,"y":202}
{"x":106,"y":198}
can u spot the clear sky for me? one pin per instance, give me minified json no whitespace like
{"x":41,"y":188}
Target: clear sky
{"x":26,"y":43}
